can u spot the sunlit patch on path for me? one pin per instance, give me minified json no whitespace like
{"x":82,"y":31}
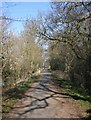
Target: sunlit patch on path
{"x":43,"y":100}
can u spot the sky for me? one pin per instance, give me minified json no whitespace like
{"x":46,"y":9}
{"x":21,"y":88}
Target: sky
{"x":23,"y":10}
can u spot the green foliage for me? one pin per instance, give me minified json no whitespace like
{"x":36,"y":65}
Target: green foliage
{"x":67,"y":29}
{"x":71,"y":89}
{"x":80,"y":75}
{"x":56,"y":64}
{"x":56,"y":57}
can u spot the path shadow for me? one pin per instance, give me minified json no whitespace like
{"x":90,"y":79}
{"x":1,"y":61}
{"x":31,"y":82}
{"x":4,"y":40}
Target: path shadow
{"x":35,"y":101}
{"x":67,"y":84}
{"x":89,"y":116}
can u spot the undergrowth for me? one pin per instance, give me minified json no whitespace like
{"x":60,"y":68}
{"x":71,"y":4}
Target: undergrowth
{"x":11,"y":96}
{"x":75,"y":92}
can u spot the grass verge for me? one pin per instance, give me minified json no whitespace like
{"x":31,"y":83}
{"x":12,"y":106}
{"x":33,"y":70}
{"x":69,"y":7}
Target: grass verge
{"x":75,"y":92}
{"x":11,"y":96}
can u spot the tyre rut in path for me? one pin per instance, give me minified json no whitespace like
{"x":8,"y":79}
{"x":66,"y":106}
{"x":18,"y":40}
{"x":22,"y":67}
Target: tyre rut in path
{"x":43,"y":100}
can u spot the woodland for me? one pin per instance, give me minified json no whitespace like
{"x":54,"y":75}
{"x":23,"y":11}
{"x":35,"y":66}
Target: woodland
{"x":65,"y":30}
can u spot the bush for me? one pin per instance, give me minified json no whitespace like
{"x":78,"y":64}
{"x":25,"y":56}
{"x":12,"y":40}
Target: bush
{"x":80,"y":74}
{"x":57,"y":64}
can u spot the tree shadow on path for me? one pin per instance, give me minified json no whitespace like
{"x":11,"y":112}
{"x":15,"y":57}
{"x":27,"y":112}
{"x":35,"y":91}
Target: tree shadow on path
{"x":39,"y":95}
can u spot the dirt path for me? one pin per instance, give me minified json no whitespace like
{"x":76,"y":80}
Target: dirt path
{"x":43,"y":100}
